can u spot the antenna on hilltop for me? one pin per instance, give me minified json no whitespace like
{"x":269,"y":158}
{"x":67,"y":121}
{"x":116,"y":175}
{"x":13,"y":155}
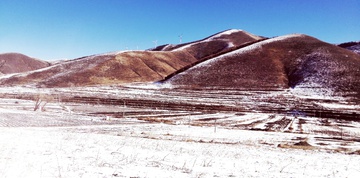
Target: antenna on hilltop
{"x":180,"y":38}
{"x":155,"y":43}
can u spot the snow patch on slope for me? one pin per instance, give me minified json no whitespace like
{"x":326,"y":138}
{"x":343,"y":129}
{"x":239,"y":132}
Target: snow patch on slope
{"x":215,"y":37}
{"x":227,"y":32}
{"x":240,"y":51}
{"x":113,"y":53}
{"x":355,"y":48}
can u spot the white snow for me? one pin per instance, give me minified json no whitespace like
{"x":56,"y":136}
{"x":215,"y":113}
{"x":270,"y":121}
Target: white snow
{"x":314,"y":92}
{"x":230,"y":45}
{"x":228,"y":32}
{"x":5,"y":76}
{"x":160,"y":151}
{"x":339,"y":105}
{"x":149,"y":85}
{"x":113,"y":53}
{"x":56,"y":143}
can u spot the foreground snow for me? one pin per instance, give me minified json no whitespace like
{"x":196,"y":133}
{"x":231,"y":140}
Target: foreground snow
{"x":66,"y":140}
{"x":158,"y":150}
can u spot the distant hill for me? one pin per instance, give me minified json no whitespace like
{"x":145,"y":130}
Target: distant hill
{"x":105,"y":69}
{"x":131,"y":66}
{"x":283,"y":62}
{"x":16,"y":63}
{"x":352,"y":46}
{"x":232,"y":59}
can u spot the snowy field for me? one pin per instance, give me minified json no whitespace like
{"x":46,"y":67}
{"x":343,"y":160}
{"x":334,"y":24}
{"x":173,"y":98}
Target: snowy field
{"x":143,"y":151}
{"x":83,"y":140}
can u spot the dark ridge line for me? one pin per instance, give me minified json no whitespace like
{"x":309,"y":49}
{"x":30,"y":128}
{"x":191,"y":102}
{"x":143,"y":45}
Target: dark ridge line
{"x":207,"y":58}
{"x":349,"y":44}
{"x":158,"y":48}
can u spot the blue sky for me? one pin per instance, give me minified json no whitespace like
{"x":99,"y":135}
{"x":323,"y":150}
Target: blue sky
{"x":66,"y":29}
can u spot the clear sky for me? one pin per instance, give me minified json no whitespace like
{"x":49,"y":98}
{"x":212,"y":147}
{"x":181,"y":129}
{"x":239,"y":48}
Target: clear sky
{"x":66,"y":29}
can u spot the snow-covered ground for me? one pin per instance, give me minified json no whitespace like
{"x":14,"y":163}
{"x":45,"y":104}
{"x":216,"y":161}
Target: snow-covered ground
{"x":158,"y":150}
{"x":66,"y":140}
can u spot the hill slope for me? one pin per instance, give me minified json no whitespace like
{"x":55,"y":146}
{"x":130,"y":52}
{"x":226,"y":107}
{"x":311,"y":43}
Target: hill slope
{"x":16,"y":63}
{"x":131,"y":66}
{"x":282,"y":62}
{"x":123,"y":67}
{"x":229,"y":59}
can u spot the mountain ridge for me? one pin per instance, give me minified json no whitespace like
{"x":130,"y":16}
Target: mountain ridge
{"x":158,"y":64}
{"x":283,"y":62}
{"x":231,"y":59}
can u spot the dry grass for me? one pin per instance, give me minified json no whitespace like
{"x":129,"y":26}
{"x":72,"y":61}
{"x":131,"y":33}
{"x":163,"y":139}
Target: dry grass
{"x":302,"y":144}
{"x":273,"y":66}
{"x":156,"y":120}
{"x":303,"y":147}
{"x":357,"y":152}
{"x":127,"y":67}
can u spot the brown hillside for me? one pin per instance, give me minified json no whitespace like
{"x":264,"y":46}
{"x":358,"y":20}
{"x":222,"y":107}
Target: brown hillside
{"x":16,"y":63}
{"x":214,"y":44}
{"x":286,"y":61}
{"x":229,"y":59}
{"x":136,"y":66}
{"x":125,"y":67}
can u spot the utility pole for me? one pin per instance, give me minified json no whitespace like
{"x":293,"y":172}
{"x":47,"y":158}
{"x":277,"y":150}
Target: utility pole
{"x":155,"y":43}
{"x":180,"y":38}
